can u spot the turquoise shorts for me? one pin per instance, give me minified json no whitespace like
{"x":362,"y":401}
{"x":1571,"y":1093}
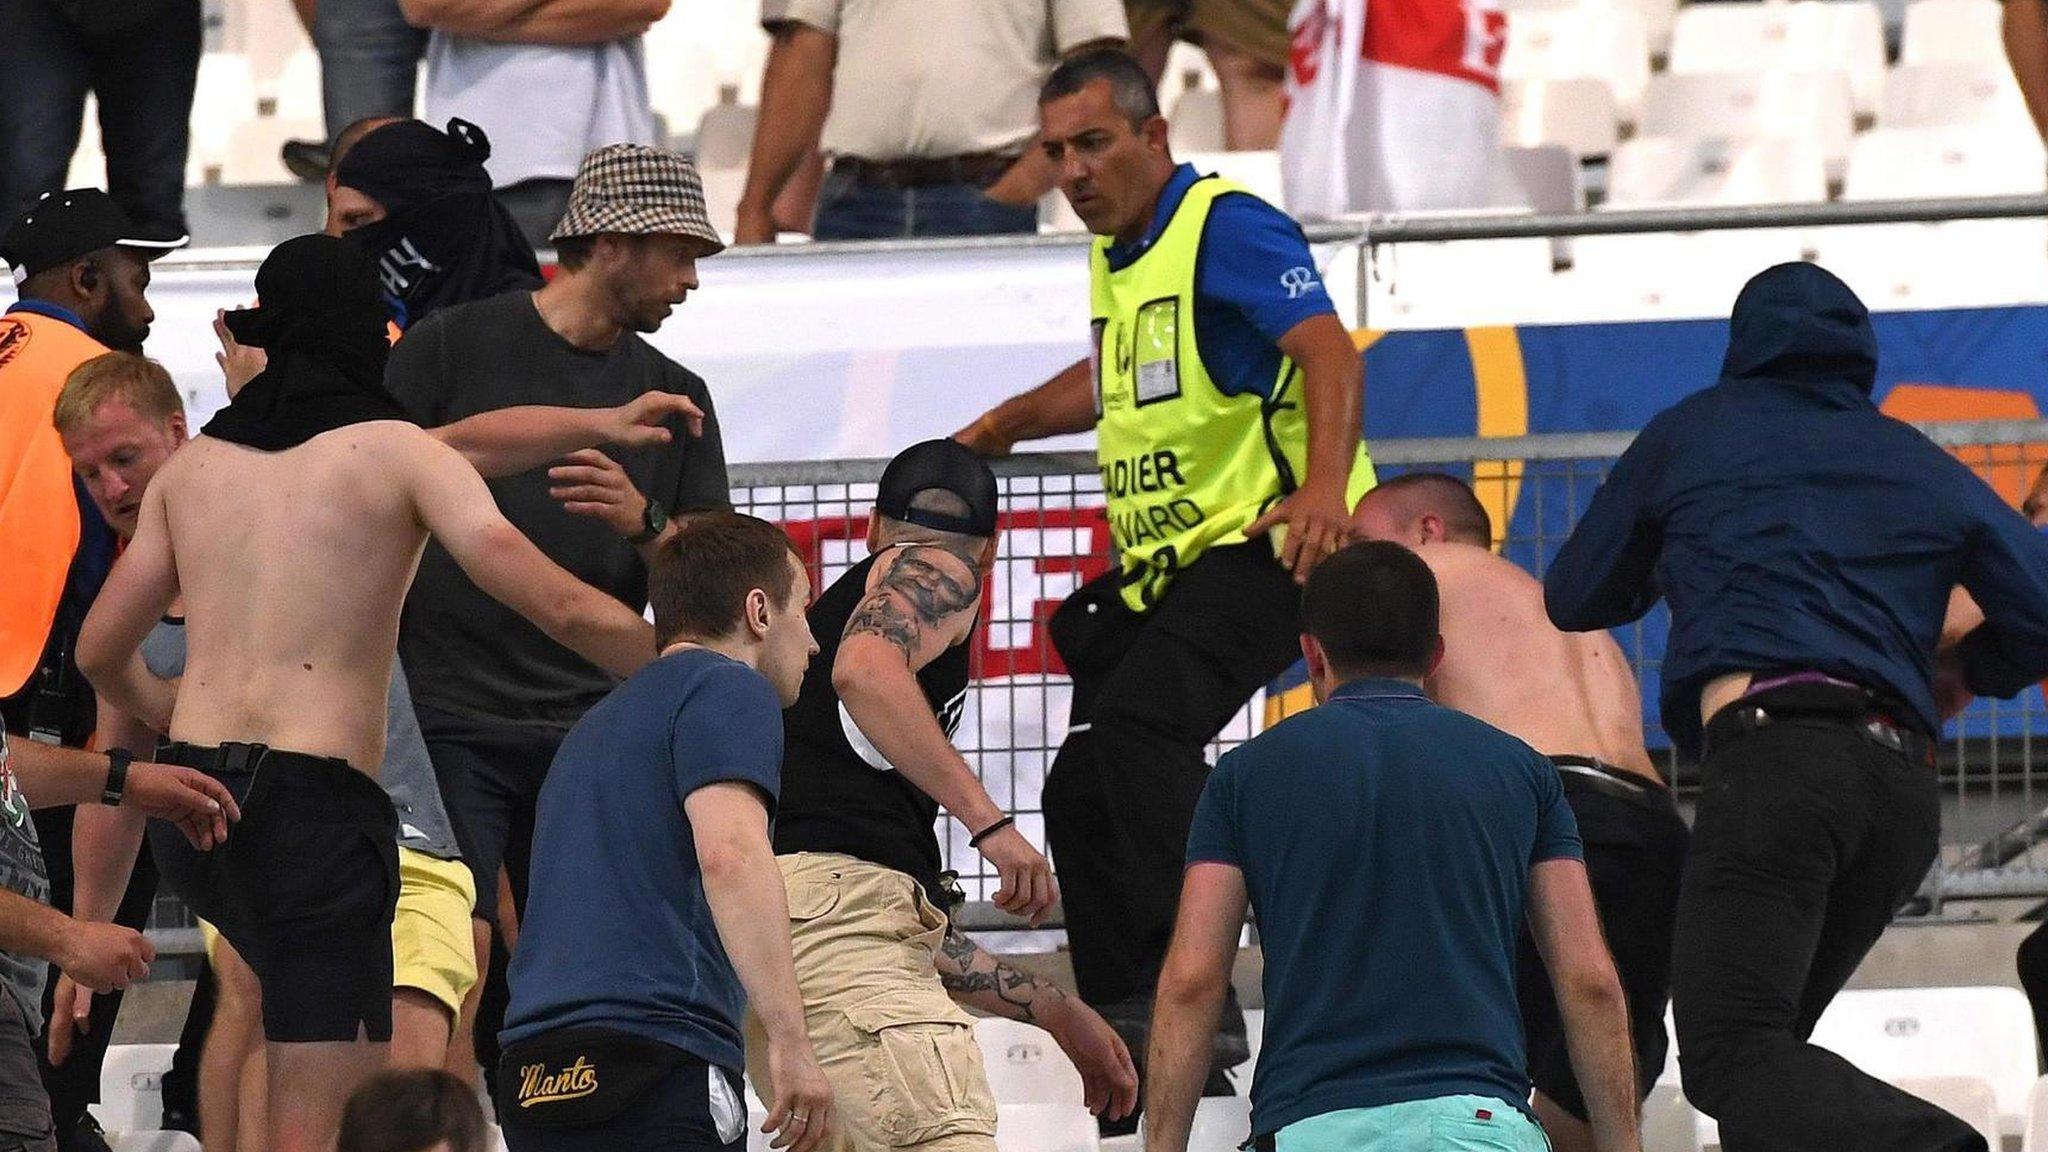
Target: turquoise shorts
{"x":1442,"y":1124}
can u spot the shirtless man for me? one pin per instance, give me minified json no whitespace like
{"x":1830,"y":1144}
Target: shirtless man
{"x":1574,"y":698}
{"x":291,"y":528}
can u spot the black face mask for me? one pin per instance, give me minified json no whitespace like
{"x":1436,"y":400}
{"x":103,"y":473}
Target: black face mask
{"x":322,"y":322}
{"x":444,"y":239}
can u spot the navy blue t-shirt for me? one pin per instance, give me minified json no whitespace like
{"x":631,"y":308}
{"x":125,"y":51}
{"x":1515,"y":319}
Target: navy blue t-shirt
{"x":1254,"y":280}
{"x":1386,"y":844}
{"x":617,"y":931}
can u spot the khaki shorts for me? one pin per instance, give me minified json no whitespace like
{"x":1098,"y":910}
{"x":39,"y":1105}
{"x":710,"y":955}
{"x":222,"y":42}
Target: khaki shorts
{"x":431,"y":946}
{"x":905,"y":1069}
{"x":1255,"y":27}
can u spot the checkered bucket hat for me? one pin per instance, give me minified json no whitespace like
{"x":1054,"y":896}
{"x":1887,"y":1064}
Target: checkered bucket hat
{"x":640,"y":191}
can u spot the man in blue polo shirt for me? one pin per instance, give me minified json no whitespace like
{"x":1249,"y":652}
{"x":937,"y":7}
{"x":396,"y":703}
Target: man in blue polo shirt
{"x":1390,"y":847}
{"x":656,"y":910}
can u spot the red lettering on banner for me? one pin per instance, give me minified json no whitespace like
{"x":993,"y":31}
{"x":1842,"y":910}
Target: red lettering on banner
{"x":1049,"y":551}
{"x":1463,"y":40}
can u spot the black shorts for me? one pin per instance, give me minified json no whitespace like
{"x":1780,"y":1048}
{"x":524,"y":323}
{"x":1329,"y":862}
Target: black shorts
{"x":305,"y":888}
{"x":1635,"y":855}
{"x":490,"y":776}
{"x":594,"y":1089}
{"x":25,"y":1124}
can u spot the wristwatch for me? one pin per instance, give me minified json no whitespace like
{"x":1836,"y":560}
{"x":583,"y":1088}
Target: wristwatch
{"x":118,"y":760}
{"x":652,"y":521}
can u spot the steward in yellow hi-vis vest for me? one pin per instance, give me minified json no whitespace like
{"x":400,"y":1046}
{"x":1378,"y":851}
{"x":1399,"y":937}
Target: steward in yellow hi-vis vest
{"x":1186,"y":465}
{"x":1224,"y":393}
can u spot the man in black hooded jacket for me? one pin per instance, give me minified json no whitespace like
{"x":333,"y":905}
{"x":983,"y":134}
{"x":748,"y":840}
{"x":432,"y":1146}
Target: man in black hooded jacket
{"x":1807,"y":545}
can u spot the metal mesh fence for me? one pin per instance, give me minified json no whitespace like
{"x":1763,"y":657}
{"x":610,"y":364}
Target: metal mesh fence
{"x":1055,"y":538}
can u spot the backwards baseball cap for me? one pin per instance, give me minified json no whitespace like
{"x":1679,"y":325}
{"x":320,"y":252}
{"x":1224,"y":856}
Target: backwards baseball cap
{"x":946,"y":465}
{"x":62,"y":226}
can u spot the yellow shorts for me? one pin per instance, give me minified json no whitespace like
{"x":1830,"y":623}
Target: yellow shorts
{"x":431,"y":946}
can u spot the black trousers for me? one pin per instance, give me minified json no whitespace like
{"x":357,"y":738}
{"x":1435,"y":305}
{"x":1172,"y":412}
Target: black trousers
{"x":142,"y":74}
{"x":1808,"y":837}
{"x":1150,"y":692}
{"x":76,"y":1084}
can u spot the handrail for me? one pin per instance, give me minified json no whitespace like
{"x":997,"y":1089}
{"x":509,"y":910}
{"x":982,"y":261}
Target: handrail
{"x":1542,"y":446}
{"x":1398,"y":228}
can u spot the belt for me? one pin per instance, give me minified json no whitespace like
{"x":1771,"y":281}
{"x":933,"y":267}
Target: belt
{"x":232,"y":759}
{"x":1747,"y":719}
{"x":979,"y":169}
{"x":1596,"y":775}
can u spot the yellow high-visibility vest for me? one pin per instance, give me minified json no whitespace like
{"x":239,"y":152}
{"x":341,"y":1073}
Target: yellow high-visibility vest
{"x":1185,"y":466}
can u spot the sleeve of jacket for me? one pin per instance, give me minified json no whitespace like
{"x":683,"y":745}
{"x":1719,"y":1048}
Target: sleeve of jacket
{"x":2006,"y":571}
{"x":1603,"y":576}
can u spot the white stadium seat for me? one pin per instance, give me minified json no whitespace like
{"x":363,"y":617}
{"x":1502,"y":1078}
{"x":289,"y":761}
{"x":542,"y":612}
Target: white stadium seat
{"x":253,"y":149}
{"x":1900,"y":1034}
{"x":1045,"y":1128}
{"x":683,"y":75}
{"x":1669,"y":1122}
{"x":1813,"y":107}
{"x":1594,"y":43}
{"x":1425,"y":284}
{"x":132,"y":1087}
{"x":1952,"y":32}
{"x":725,"y":141}
{"x":224,"y":97}
{"x":1959,"y":95}
{"x":1894,"y":163}
{"x":1578,"y":113}
{"x":153,"y":1142}
{"x":2035,"y":1137}
{"x":1221,"y":1124}
{"x":88,"y":167}
{"x":298,"y":87}
{"x":1196,"y":119}
{"x":1546,"y":179}
{"x":1025,"y":1065}
{"x":1656,"y":170}
{"x":1658,"y":17}
{"x":1966,"y":1097}
{"x":1678,"y":274}
{"x":1257,"y":171}
{"x":1845,"y":36}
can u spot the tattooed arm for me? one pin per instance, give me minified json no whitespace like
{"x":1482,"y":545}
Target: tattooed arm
{"x":922,"y":600}
{"x":984,"y":983}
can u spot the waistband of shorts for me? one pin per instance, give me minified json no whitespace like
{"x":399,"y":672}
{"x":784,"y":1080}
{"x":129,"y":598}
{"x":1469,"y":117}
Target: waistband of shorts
{"x":238,"y":759}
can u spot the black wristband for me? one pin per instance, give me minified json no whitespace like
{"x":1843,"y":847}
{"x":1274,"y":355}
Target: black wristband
{"x":985,"y":833}
{"x":118,"y":760}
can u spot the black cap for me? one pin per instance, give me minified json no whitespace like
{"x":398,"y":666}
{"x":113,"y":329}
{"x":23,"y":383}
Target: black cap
{"x":62,"y":226}
{"x":949,"y":466}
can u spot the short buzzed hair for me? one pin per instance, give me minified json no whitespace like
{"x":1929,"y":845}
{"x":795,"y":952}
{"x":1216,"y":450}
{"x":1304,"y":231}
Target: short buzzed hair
{"x":700,"y":578}
{"x":940,"y":502}
{"x":140,"y":383}
{"x":346,"y":139}
{"x":1373,"y":607}
{"x":1129,"y":88}
{"x":1446,"y":497}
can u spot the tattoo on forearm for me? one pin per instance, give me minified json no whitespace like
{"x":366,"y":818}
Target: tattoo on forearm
{"x":966,"y":970}
{"x":917,"y":591}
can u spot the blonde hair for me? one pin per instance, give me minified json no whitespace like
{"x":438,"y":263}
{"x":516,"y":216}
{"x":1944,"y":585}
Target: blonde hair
{"x":140,"y":383}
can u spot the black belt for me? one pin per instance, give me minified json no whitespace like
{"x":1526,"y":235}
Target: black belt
{"x":980,"y":169}
{"x":1747,"y":719}
{"x":234,"y":759}
{"x":1597,"y":775}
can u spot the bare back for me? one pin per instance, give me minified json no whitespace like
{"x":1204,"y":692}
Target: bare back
{"x":1504,"y":662}
{"x":293,"y":566}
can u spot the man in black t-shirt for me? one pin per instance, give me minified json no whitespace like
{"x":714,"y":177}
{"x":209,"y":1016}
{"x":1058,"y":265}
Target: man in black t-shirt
{"x":867,"y":762}
{"x":494,"y":695}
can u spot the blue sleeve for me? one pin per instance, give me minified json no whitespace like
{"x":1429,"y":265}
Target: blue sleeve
{"x":2006,"y":572}
{"x":1256,"y":261}
{"x":1212,"y":838}
{"x":728,"y":728}
{"x":1603,"y":576}
{"x":1557,"y":830}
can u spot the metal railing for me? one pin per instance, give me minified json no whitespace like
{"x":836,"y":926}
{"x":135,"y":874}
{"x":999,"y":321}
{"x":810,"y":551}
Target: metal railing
{"x":1995,"y":782}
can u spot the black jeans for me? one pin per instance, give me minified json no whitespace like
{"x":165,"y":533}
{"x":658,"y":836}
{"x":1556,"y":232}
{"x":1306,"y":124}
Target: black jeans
{"x":143,"y":76}
{"x":1150,"y":692}
{"x":1808,"y":837}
